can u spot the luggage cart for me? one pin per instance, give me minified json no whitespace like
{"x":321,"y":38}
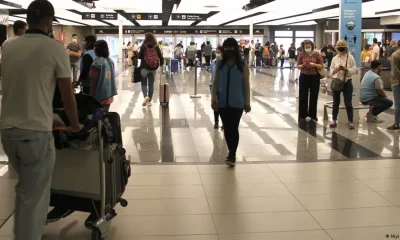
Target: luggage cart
{"x":92,"y":189}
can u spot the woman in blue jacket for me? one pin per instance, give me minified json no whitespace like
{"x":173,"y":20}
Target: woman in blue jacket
{"x":231,"y":94}
{"x":218,"y":54}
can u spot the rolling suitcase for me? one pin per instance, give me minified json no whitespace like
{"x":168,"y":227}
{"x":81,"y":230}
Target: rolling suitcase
{"x":274,"y":62}
{"x":164,"y":93}
{"x":174,"y":65}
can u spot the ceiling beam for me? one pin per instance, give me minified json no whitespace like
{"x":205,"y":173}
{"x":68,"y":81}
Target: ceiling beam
{"x":79,"y":13}
{"x":127,"y":16}
{"x":334,"y":6}
{"x":242,"y":18}
{"x":73,"y":21}
{"x":167,"y":8}
{"x":10,"y":4}
{"x":388,"y":11}
{"x":210,"y":14}
{"x":282,"y":18}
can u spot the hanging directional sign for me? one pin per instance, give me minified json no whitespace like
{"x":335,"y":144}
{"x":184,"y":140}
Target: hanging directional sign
{"x":100,"y":16}
{"x":145,"y":16}
{"x":189,"y":17}
{"x":134,"y":30}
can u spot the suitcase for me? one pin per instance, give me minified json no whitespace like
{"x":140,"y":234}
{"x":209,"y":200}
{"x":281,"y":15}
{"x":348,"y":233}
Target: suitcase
{"x":174,"y":65}
{"x":269,"y":61}
{"x":164,"y":93}
{"x":274,"y":62}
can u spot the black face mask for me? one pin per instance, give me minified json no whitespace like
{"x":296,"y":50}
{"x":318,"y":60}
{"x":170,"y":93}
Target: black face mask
{"x":342,"y":49}
{"x":229,"y":53}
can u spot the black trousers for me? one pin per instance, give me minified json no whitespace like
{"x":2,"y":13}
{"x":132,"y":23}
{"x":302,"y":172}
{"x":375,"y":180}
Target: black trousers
{"x":208,"y":60}
{"x":231,"y":118}
{"x":308,"y":95}
{"x":86,"y":90}
{"x":282,"y":61}
{"x":216,"y":116}
{"x":348,"y":96}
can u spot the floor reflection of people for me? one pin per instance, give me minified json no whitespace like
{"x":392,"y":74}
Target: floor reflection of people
{"x":166,"y":145}
{"x":145,"y":139}
{"x":307,"y":141}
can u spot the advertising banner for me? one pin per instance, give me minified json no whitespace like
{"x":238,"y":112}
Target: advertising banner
{"x":350,"y":26}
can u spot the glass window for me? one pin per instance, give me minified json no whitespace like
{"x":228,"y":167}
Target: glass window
{"x":283,"y":33}
{"x":298,"y":41}
{"x":285,"y":42}
{"x":305,"y":34}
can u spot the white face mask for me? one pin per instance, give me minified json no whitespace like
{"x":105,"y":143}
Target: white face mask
{"x":308,"y":50}
{"x":219,"y":56}
{"x":75,"y":40}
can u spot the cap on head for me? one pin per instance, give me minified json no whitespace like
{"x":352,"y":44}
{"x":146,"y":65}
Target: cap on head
{"x":40,"y":9}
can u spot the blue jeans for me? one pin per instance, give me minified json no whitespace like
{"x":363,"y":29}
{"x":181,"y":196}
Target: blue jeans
{"x":379,"y":104}
{"x":396,"y":98}
{"x":148,"y":78}
{"x":347,"y":96}
{"x":32,"y":155}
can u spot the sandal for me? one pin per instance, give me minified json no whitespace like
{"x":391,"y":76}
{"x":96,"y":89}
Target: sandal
{"x":394,"y":127}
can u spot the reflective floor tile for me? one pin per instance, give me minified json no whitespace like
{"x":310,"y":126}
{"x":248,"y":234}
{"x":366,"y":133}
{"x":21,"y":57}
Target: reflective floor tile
{"x":307,"y":188}
{"x":343,"y":200}
{"x":369,"y":164}
{"x":379,"y":173}
{"x":7,"y":187}
{"x":381,"y":185}
{"x":301,"y":166}
{"x":298,"y":235}
{"x":322,"y":175}
{"x":186,"y":237}
{"x":254,"y":205}
{"x":163,"y":225}
{"x":165,"y":207}
{"x":238,"y":178}
{"x":247,"y":168}
{"x":246,"y":190}
{"x":164,"y":179}
{"x":366,"y":233}
{"x":362,"y":217}
{"x":392,"y":196}
{"x":264,"y":222}
{"x":164,"y":192}
{"x":6,"y":207}
{"x":164,"y":169}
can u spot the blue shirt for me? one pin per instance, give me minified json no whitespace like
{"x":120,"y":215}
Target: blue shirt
{"x":368,"y":89}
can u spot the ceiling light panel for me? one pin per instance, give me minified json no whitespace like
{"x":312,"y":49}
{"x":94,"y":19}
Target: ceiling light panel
{"x":137,"y":6}
{"x":308,"y":23}
{"x":150,"y":22}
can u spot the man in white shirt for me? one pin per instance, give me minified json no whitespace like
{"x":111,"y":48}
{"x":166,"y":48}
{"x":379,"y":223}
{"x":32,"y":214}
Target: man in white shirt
{"x":27,"y":115}
{"x":375,"y":51}
{"x":20,"y":28}
{"x":252,"y":53}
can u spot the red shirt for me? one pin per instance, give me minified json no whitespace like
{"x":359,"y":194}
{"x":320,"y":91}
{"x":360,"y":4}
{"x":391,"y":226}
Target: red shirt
{"x":304,"y":58}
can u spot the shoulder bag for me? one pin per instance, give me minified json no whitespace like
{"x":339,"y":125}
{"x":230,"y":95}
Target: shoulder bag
{"x":322,"y":72}
{"x":338,"y":84}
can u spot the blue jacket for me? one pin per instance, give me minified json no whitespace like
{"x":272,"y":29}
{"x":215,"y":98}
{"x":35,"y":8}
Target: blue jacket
{"x":230,"y":89}
{"x":106,"y":86}
{"x":86,"y":80}
{"x":368,"y":89}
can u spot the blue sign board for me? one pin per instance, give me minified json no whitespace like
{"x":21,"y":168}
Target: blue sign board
{"x":350,"y":26}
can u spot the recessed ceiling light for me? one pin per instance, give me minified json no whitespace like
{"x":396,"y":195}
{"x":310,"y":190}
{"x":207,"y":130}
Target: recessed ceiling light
{"x":210,"y":6}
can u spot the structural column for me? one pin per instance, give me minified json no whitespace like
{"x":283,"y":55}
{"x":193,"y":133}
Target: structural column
{"x":121,"y":41}
{"x":251,"y":30}
{"x":350,"y":25}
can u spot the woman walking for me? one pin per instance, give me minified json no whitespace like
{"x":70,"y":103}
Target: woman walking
{"x":152,"y":58}
{"x":309,"y":62}
{"x":343,"y":67}
{"x":231,"y":94}
{"x":102,"y":75}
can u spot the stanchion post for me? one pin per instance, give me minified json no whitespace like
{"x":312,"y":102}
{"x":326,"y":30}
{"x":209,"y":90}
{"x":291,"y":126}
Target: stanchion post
{"x":195,"y":82}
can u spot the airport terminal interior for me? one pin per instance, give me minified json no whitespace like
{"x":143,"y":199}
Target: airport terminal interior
{"x":293,"y":179}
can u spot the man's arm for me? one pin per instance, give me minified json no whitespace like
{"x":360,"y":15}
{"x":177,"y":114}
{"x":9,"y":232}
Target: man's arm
{"x":379,"y":87}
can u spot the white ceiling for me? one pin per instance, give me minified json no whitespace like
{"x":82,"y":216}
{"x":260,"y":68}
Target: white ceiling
{"x":229,"y":11}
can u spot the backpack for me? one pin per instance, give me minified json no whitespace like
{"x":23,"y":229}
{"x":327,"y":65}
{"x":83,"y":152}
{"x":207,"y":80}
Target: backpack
{"x":151,"y":57}
{"x":266,"y":51}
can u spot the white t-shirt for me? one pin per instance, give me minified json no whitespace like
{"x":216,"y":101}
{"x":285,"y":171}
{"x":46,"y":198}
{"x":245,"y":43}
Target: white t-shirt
{"x":166,"y":52}
{"x":29,"y":81}
{"x":6,"y":42}
{"x":376,"y":52}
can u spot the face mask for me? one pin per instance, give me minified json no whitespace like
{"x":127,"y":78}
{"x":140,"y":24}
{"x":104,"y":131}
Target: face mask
{"x":342,"y":49}
{"x":219,"y":56}
{"x":229,"y":53}
{"x":308,"y":50}
{"x":75,"y":40}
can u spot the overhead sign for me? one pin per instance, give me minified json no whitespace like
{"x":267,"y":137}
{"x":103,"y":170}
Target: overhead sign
{"x":130,"y":30}
{"x":145,"y":16}
{"x":350,"y":26}
{"x":100,"y":16}
{"x":189,"y":17}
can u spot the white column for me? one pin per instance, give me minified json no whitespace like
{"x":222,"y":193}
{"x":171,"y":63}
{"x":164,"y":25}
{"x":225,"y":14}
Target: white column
{"x":251,"y":30}
{"x":121,"y":41}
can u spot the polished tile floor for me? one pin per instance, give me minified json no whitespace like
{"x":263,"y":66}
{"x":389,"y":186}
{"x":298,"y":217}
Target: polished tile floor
{"x":293,"y":181}
{"x":357,"y":200}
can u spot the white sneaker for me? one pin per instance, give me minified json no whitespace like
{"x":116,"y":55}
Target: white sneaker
{"x":146,"y":99}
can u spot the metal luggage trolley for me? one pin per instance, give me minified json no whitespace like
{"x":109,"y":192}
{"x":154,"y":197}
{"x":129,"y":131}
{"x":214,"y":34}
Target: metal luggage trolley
{"x":77,"y":181}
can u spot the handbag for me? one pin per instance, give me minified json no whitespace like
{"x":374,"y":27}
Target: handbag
{"x":338,"y":84}
{"x":137,"y":76}
{"x":322,"y":72}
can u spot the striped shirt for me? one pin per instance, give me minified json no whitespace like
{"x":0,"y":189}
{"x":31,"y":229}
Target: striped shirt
{"x":304,"y":58}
